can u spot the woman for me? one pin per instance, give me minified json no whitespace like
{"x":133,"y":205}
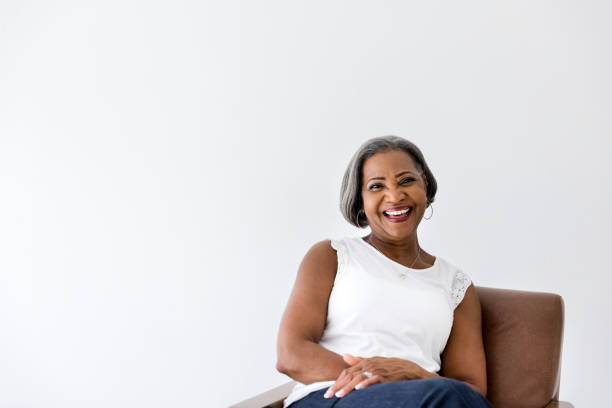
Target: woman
{"x":378,"y":321}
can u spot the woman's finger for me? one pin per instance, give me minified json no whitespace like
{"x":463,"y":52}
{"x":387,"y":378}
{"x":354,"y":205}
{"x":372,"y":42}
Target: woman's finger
{"x":344,"y":377}
{"x":351,"y":359}
{"x":343,"y":391}
{"x":375,"y":379}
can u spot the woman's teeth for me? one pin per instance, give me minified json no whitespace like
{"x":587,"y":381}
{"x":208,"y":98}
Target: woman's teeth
{"x":397,"y":212}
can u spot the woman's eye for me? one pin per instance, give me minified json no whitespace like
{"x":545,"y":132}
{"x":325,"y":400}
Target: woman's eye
{"x":407,"y":180}
{"x":374,"y":187}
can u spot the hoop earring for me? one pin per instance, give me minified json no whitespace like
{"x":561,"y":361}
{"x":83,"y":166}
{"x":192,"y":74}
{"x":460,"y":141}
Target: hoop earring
{"x":429,"y":206}
{"x":359,"y":216}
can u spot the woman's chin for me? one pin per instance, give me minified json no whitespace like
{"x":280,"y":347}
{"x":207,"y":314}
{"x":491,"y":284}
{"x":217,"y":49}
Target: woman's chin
{"x":395,"y":232}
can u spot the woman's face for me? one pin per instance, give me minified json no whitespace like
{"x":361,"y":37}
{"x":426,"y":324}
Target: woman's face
{"x":394,"y":195}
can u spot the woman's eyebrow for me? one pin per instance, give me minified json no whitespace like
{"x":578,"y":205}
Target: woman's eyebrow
{"x":396,"y":176}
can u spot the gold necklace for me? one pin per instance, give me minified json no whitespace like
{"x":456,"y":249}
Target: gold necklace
{"x":413,"y":262}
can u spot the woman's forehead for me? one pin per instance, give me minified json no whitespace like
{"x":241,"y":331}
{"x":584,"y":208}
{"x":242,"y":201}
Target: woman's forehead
{"x":389,"y":162}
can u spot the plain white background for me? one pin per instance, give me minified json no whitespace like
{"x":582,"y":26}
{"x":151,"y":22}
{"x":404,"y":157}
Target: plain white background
{"x":164,"y":166}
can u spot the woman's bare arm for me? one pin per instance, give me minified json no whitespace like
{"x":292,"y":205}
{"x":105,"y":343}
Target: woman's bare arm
{"x":464,"y":356}
{"x":298,"y":353}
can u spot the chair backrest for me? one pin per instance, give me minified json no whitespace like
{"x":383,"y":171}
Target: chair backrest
{"x":523,"y":337}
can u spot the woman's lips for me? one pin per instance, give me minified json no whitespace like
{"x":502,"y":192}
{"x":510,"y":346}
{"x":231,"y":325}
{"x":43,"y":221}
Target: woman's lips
{"x":398,"y":218}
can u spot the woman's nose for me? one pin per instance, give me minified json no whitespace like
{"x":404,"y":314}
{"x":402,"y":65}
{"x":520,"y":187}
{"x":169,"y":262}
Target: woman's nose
{"x":395,"y":194}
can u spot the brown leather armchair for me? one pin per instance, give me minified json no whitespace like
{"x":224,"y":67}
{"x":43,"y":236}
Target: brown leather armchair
{"x":523,"y":337}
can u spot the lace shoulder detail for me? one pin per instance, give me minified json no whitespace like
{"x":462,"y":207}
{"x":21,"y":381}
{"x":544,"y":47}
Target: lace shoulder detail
{"x":461,"y":282}
{"x":340,"y":246}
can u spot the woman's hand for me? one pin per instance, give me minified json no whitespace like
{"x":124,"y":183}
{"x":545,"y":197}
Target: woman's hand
{"x":382,"y":369}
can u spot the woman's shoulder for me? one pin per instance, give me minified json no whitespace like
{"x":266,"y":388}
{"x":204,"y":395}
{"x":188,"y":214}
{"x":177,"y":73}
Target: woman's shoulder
{"x":446,"y":265}
{"x":457,"y":281}
{"x":340,"y":242}
{"x":332,"y":251}
{"x":449,"y":272}
{"x":330,"y":247}
{"x":321,"y":251}
{"x":324,"y":246}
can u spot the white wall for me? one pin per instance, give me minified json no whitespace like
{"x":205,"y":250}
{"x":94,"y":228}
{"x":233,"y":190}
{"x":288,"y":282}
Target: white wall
{"x":164,"y":166}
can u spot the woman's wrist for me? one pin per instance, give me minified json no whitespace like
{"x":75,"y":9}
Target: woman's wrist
{"x":424,"y":374}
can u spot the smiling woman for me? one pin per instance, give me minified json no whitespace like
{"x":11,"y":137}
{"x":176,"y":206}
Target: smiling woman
{"x":393,"y":205}
{"x":377,"y":320}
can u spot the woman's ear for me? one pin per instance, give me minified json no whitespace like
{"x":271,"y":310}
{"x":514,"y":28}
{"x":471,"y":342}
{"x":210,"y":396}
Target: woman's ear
{"x":426,"y":187}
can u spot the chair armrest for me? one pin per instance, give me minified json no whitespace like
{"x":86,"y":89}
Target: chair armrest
{"x":270,"y":399}
{"x":559,"y":404}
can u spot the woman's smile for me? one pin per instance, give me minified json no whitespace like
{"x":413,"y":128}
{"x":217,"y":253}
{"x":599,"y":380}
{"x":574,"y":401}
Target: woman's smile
{"x":398,"y":214}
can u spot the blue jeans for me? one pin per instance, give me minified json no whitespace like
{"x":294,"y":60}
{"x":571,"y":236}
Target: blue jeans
{"x":428,"y":393}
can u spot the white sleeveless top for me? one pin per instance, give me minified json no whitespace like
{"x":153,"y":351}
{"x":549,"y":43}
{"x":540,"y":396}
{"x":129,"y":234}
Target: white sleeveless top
{"x":378,"y":307}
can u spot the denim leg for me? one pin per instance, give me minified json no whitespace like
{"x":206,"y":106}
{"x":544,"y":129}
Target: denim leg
{"x":446,"y":392}
{"x":429,"y":393}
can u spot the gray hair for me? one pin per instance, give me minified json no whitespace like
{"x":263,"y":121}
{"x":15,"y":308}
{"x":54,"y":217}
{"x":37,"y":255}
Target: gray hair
{"x":351,"y":202}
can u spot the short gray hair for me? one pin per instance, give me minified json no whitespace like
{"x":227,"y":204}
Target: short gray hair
{"x":351,"y":202}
